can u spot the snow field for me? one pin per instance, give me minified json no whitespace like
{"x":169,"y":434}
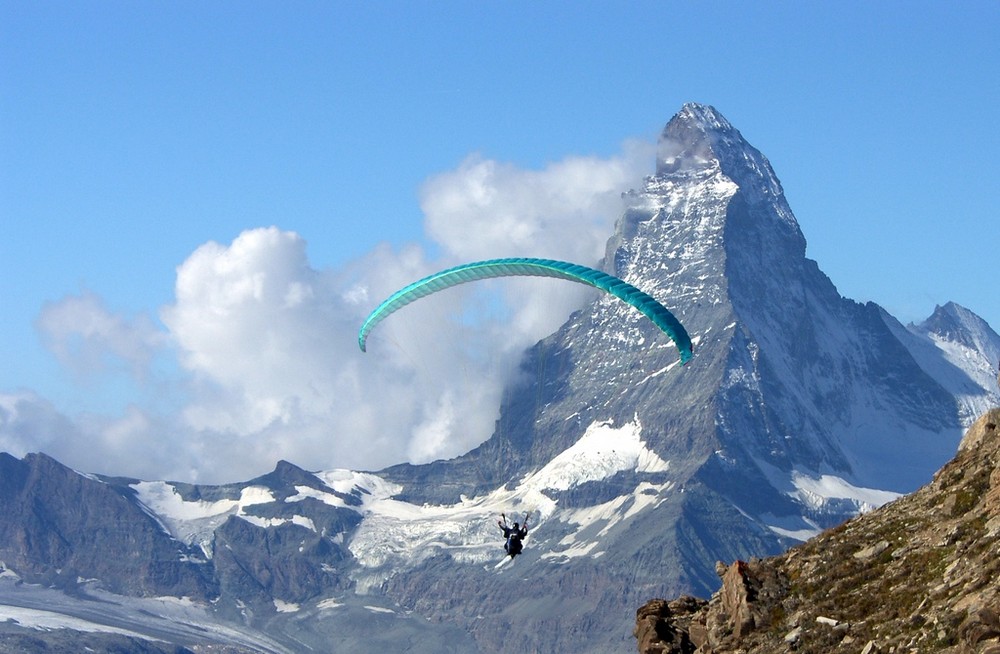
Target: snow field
{"x":397,"y":534}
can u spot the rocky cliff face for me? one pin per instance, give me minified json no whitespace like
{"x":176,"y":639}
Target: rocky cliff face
{"x":918,"y":574}
{"x":58,"y":526}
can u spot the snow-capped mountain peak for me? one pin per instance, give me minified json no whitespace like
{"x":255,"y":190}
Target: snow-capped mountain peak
{"x":956,"y":324}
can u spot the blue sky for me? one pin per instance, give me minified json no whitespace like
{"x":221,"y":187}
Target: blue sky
{"x":147,"y":147}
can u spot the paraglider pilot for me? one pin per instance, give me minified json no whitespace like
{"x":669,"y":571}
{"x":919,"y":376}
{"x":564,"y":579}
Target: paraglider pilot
{"x":513,"y":535}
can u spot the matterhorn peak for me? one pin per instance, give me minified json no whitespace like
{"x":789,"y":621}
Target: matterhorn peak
{"x":714,"y":201}
{"x":703,"y":117}
{"x":691,"y":140}
{"x":699,"y":141}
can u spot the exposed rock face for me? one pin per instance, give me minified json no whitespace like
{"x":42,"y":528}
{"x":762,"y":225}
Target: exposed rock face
{"x":58,"y":525}
{"x":919,"y":574}
{"x":661,"y":627}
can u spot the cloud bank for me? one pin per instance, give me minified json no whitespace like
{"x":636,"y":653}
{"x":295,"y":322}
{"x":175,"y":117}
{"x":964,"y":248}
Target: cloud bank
{"x":264,"y":347}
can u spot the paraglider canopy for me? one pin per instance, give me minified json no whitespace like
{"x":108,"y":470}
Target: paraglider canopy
{"x":659,"y":314}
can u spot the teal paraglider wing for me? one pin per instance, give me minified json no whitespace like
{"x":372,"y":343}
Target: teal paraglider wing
{"x":471,"y":272}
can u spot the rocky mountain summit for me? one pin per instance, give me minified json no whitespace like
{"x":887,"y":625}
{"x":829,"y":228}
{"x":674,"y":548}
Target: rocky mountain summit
{"x":921,"y":574}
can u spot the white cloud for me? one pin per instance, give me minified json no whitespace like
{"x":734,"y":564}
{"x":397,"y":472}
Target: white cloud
{"x":29,"y":423}
{"x":486,"y":209}
{"x":251,"y":319}
{"x":268,"y":345}
{"x":129,"y":445}
{"x":88,"y":339}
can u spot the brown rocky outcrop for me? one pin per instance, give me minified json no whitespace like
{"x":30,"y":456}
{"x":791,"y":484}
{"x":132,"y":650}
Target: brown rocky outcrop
{"x":661,"y":626}
{"x":921,"y":574}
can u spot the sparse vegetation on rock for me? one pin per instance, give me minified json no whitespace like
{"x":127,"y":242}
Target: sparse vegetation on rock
{"x":921,"y":574}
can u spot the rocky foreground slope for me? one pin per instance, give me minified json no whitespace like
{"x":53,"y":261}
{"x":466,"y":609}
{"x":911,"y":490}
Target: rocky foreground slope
{"x":921,"y":574}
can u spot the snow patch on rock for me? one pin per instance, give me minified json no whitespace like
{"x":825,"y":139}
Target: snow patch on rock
{"x":601,"y":452}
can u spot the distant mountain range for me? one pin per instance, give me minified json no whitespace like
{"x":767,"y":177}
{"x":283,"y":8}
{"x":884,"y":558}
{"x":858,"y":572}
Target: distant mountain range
{"x":799,"y":410}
